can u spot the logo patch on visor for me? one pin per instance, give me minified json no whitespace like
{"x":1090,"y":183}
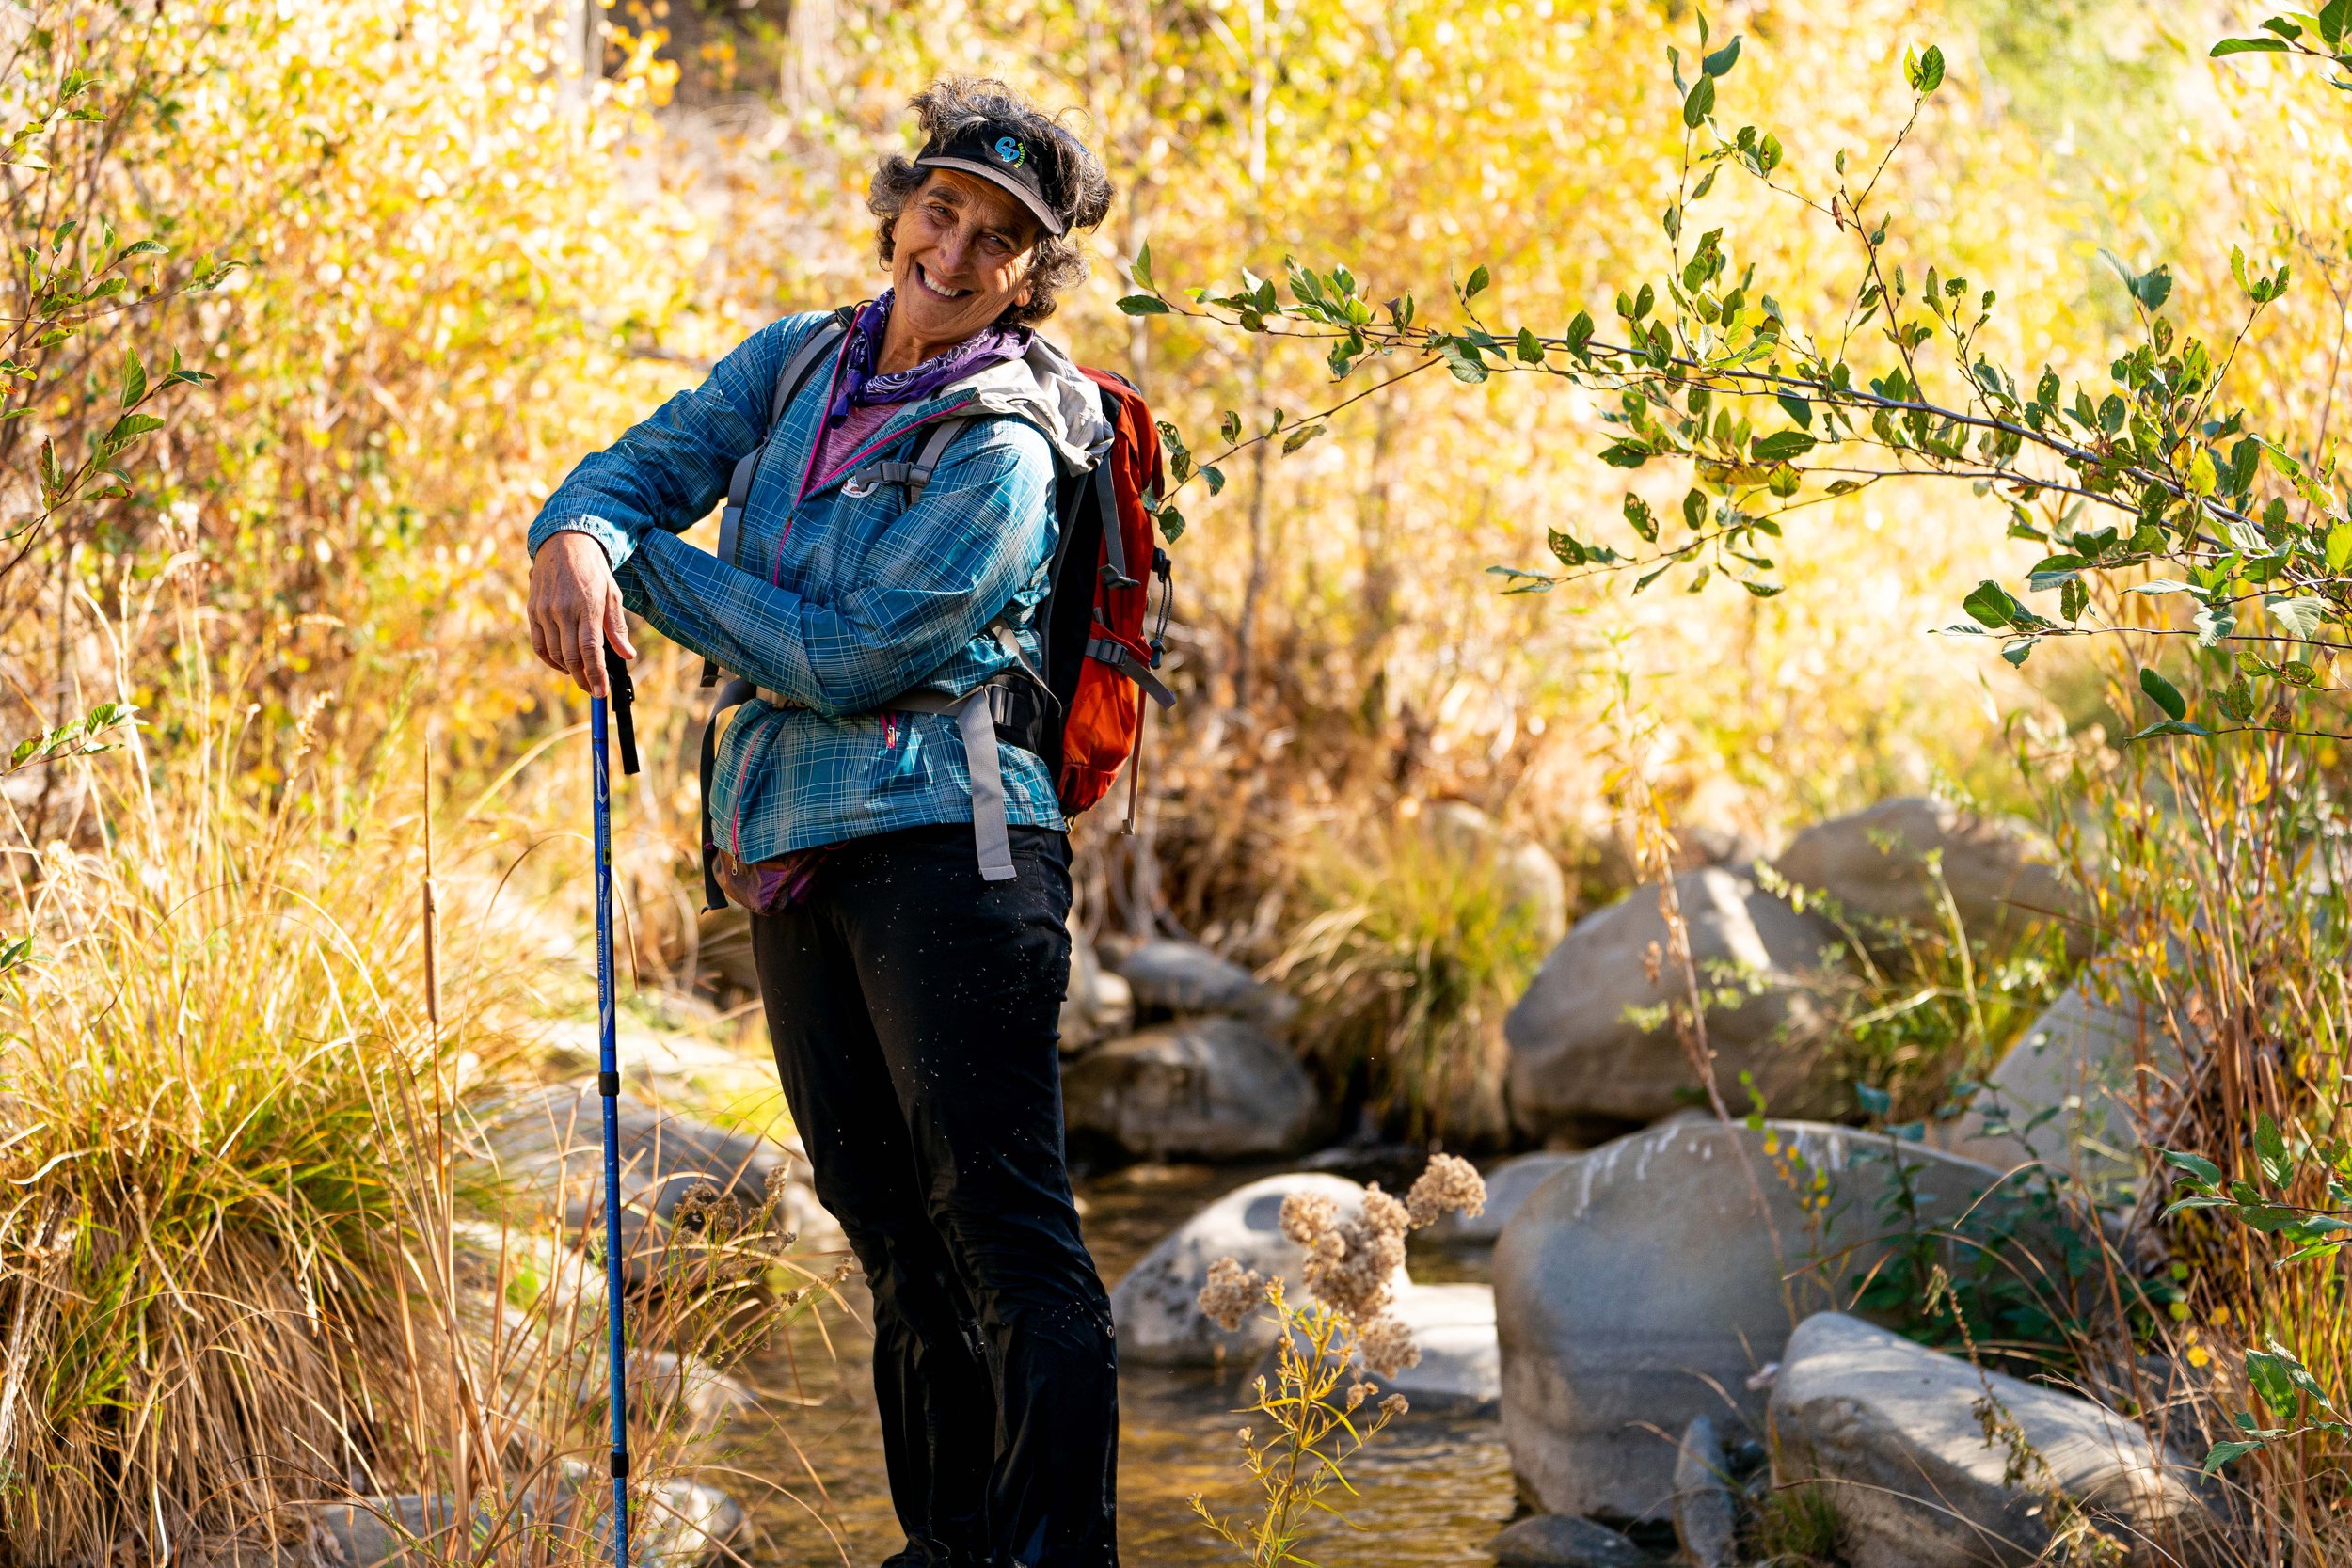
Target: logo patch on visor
{"x":1009,"y":150}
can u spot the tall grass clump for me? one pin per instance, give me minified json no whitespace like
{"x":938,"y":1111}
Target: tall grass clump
{"x":1418,"y":944}
{"x":217,"y":1098}
{"x":249,"y":1258}
{"x":2224,"y":880}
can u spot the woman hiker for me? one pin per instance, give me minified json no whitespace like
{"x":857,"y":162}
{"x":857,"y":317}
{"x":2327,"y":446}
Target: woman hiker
{"x":911,"y":993}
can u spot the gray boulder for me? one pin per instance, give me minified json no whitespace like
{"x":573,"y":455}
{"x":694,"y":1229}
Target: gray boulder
{"x":1453,"y":1326}
{"x":1201,"y":1088}
{"x":1705,"y":1511}
{"x":1508,"y":1186}
{"x":1564,"y":1540}
{"x":1637,"y":1287}
{"x":1153,"y":1306}
{"x":1187,"y":977}
{"x":549,"y":1142}
{"x":2082,"y":1059}
{"x":1897,"y":1434}
{"x":1098,"y":1004}
{"x":1874,"y":862}
{"x":1577,"y":1059}
{"x":675,"y":1523}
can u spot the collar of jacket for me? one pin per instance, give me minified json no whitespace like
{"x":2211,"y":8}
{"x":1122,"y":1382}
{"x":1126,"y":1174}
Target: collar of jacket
{"x":1042,"y":388}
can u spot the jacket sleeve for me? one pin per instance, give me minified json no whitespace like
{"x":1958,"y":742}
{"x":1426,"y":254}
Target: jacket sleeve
{"x":945,"y":569}
{"x":672,"y":468}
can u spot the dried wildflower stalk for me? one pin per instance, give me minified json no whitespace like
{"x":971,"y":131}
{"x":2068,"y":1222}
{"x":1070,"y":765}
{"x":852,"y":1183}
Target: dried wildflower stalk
{"x":1312,"y":1401}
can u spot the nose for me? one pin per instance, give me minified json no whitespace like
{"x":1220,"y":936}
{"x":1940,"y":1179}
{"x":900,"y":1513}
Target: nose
{"x":951,"y":249}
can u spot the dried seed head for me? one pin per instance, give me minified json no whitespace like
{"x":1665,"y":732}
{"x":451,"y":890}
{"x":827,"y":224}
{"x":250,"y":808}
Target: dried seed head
{"x":1308,"y":1217}
{"x":697,"y":1207}
{"x":1387,"y":1346}
{"x":1395,"y":1406}
{"x":1385,"y":1213}
{"x":1230,"y":1292}
{"x":1451,"y":1185}
{"x":1359,"y":1392}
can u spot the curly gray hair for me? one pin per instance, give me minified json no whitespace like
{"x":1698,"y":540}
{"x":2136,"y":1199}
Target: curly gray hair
{"x":1072,"y":177}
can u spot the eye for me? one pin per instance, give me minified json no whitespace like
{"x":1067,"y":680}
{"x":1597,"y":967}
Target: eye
{"x":996,"y":245}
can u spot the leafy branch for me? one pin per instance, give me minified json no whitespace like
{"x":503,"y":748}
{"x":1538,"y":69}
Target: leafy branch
{"x":1704,"y":367}
{"x":2285,"y":1386}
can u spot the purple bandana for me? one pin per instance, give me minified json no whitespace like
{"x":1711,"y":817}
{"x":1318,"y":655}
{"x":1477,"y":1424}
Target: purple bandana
{"x":861,"y":387}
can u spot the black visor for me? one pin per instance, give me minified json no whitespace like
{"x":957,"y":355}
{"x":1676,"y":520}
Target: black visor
{"x":1004,"y":158}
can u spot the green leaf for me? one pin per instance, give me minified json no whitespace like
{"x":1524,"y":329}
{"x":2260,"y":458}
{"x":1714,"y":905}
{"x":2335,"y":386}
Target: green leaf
{"x":1721,"y":60}
{"x":1144,"y":304}
{"x":128,"y":429}
{"x":1625,"y":454}
{"x":2272,"y":1382}
{"x":1782,"y":446}
{"x":1640,"y":518}
{"x":1142,"y":268}
{"x":2299,"y":616}
{"x":1531,"y":351}
{"x":2248,"y":46}
{"x":1171,"y":524}
{"x":1580,"y":332}
{"x":1924,"y":71}
{"x":2161,"y":585}
{"x":2163,"y":693}
{"x":2055,"y":572}
{"x":1461,"y":357}
{"x":133,"y":381}
{"x":2168,"y":726}
{"x":2221,"y":1453}
{"x":1694,"y":509}
{"x":1797,"y":409}
{"x":1991,"y":606}
{"x":1700,"y":103}
{"x":2017,"y":652}
{"x":1228,"y":426}
{"x":2270,"y":1152}
{"x":2195,"y":1165}
{"x":1215,"y":475}
{"x":1477,"y":284}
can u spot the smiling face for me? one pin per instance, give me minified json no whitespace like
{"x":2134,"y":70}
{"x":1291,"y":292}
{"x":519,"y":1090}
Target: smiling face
{"x":961,"y":253}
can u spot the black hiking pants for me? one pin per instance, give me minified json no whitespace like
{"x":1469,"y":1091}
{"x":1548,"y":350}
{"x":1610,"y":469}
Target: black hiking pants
{"x":914,"y":1008}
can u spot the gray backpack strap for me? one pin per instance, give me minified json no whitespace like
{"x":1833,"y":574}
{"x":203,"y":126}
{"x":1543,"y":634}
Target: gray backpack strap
{"x":1115,"y":573}
{"x":796,"y":374}
{"x":975,"y":713}
{"x":913,"y":478}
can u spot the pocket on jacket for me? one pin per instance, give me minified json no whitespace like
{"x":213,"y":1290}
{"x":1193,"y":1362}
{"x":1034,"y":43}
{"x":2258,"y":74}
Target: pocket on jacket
{"x":903,"y":762}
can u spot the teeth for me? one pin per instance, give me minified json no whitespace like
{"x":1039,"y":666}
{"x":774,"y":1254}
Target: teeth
{"x":946,"y":294}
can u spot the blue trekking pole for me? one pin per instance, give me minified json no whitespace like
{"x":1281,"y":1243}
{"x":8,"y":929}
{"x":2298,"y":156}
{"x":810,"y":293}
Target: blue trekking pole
{"x":608,"y":1073}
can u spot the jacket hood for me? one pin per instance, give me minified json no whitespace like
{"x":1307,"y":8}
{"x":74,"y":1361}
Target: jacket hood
{"x":1046,"y":390}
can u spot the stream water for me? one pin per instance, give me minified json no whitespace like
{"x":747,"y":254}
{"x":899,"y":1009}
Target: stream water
{"x":1435,"y":1487}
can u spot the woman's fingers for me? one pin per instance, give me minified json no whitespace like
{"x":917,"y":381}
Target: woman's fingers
{"x":575,"y":609}
{"x":616,"y":623}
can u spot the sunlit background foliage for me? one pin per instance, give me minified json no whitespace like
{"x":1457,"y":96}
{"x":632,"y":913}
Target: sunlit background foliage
{"x":419,"y":256}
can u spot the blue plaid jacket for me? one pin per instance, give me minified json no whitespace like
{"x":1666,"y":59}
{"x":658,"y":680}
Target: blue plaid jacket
{"x":839,"y":603}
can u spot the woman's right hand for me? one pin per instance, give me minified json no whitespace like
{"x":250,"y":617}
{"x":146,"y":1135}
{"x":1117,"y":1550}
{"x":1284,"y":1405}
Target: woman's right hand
{"x":576,"y":610}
